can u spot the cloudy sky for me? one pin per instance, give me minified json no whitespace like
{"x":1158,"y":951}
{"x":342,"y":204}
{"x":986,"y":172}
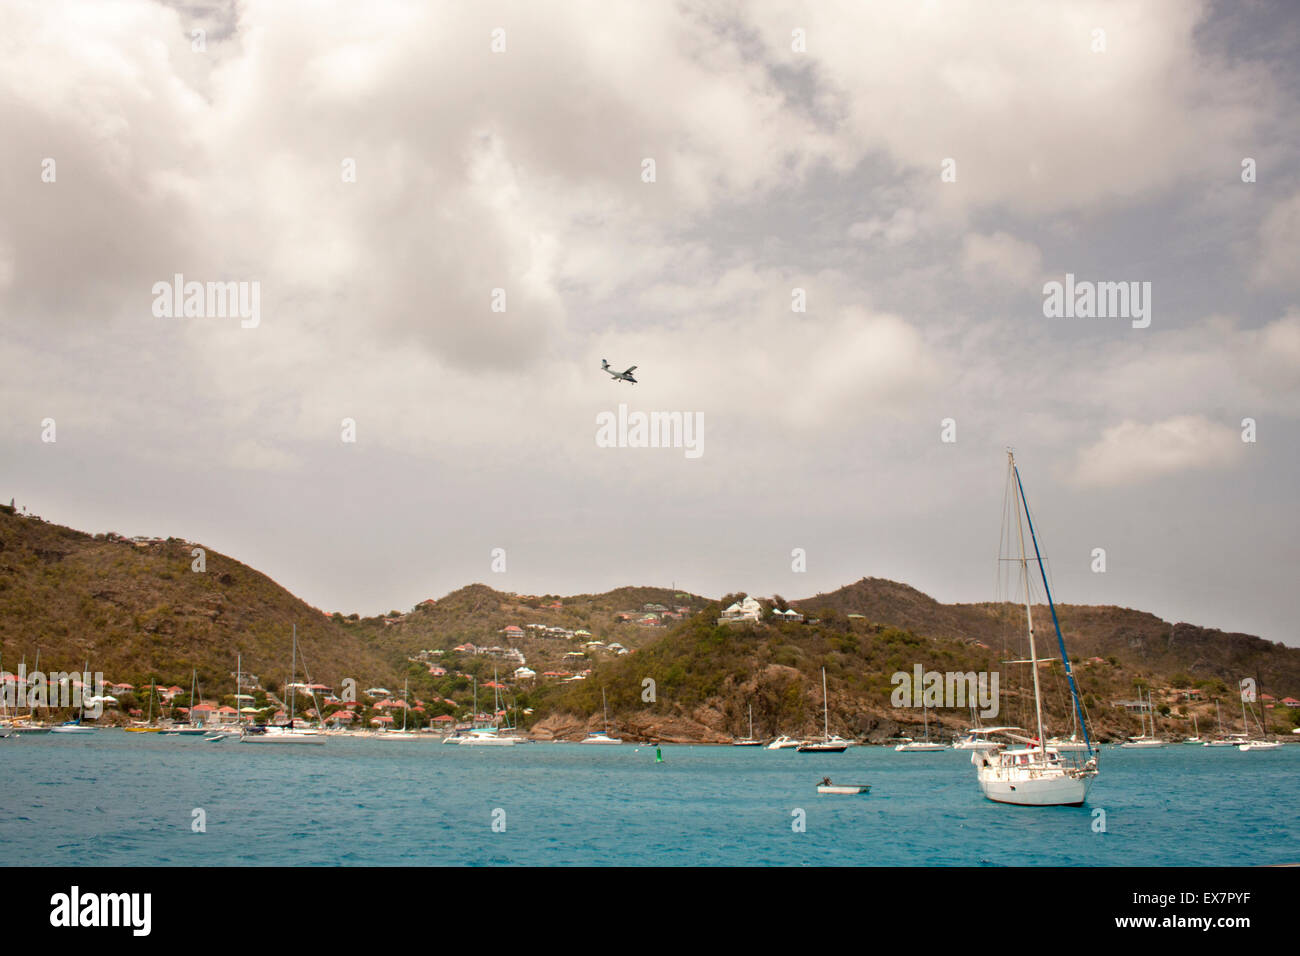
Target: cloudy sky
{"x":919,"y":170}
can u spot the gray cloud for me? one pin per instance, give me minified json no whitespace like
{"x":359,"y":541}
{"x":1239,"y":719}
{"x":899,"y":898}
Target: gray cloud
{"x":775,"y":170}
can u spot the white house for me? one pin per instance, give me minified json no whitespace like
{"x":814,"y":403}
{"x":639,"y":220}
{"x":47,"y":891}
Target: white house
{"x":747,"y":610}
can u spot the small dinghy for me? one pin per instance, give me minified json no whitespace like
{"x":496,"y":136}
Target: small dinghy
{"x":827,"y":787}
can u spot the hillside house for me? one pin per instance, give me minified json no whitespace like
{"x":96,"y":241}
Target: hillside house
{"x":746,"y":610}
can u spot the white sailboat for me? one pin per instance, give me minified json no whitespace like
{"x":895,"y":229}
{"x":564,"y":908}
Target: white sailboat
{"x":1036,"y":775}
{"x":921,"y":746}
{"x":220,"y":735}
{"x":1146,"y":741}
{"x":290,"y":733}
{"x":602,"y":737}
{"x":828,"y":744}
{"x":74,"y":726}
{"x":6,"y":724}
{"x":1251,"y":744}
{"x":748,"y":741}
{"x":1069,"y":743}
{"x":1195,"y":738}
{"x":977,"y":737}
{"x":402,"y":734}
{"x":482,"y":736}
{"x":193,"y":730}
{"x":1221,"y":740}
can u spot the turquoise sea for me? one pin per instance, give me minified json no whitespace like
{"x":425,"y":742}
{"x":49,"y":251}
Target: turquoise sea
{"x":118,"y":799}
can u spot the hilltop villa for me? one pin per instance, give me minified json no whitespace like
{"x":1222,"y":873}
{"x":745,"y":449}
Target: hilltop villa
{"x":747,"y":610}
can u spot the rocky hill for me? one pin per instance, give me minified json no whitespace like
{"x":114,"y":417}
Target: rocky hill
{"x":137,"y":609}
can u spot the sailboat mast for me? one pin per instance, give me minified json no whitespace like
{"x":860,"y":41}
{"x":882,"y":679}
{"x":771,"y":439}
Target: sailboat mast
{"x":605,"y":710}
{"x":1051,"y":605}
{"x":1029,"y":613}
{"x":293,"y":673}
{"x":826,"y":719}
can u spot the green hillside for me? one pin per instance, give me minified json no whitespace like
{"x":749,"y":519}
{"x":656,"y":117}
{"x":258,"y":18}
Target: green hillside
{"x":136,"y":610}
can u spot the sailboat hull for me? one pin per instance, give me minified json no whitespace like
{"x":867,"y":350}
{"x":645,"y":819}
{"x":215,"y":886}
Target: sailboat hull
{"x":1051,"y":790}
{"x":486,"y":740}
{"x":307,"y":738}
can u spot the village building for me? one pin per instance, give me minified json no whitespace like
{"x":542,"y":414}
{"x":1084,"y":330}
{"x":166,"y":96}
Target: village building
{"x":742,"y":611}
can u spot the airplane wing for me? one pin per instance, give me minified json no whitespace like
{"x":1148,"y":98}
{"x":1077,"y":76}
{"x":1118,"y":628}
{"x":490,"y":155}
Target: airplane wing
{"x":630,"y":371}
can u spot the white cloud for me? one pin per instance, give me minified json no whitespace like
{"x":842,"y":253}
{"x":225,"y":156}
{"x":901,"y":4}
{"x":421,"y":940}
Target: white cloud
{"x":1132,"y":452}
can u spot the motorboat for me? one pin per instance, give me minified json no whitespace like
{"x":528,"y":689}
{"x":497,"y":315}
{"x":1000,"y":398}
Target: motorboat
{"x":845,"y":788}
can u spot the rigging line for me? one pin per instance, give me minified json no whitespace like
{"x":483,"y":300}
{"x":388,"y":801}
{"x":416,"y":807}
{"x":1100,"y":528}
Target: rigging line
{"x":1069,"y":671}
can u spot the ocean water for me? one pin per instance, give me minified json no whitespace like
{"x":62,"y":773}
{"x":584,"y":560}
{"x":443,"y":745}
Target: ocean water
{"x":118,"y":799}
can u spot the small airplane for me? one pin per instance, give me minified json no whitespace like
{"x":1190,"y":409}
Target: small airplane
{"x":619,"y":376}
